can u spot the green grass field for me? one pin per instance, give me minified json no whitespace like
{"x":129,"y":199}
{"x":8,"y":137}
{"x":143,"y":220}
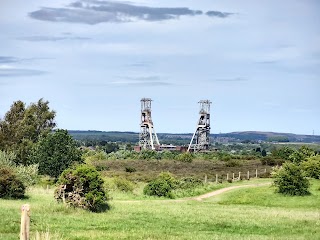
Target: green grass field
{"x":246,"y":213}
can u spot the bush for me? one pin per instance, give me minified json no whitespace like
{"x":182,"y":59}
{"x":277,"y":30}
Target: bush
{"x":185,"y":157}
{"x":27,"y":174}
{"x":162,"y":186}
{"x":271,"y":161}
{"x":130,"y":169}
{"x":189,"y":182}
{"x":233,"y":163}
{"x":123,"y":184}
{"x":10,"y":185}
{"x":312,"y":167}
{"x":290,"y":180}
{"x":82,"y":187}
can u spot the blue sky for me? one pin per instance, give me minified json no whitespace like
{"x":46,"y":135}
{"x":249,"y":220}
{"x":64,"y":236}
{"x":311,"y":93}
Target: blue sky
{"x":257,"y":61}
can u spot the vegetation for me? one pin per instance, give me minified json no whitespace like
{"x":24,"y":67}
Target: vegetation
{"x":233,"y":215}
{"x":55,"y":153}
{"x":82,"y":187}
{"x":312,"y":167}
{"x":291,"y":180}
{"x":26,"y":174}
{"x":22,"y":127}
{"x":162,"y":186}
{"x":10,"y":185}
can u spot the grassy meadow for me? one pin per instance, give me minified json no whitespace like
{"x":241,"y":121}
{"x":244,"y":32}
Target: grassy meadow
{"x":245,"y":213}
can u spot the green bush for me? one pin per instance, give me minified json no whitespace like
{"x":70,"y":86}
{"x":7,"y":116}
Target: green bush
{"x":162,"y":186}
{"x":10,"y":185}
{"x":82,"y":187}
{"x":123,"y":184}
{"x":312,"y":167}
{"x":290,"y":180}
{"x":27,"y":174}
{"x":184,"y":157}
{"x":189,"y":182}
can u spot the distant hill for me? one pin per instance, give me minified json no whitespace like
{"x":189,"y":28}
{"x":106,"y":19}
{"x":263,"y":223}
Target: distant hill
{"x":184,"y":138}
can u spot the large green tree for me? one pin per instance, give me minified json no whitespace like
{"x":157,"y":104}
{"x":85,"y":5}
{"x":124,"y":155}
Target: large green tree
{"x":56,"y":152}
{"x":22,"y":127}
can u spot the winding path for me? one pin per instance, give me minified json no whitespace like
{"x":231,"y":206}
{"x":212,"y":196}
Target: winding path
{"x":227,"y":189}
{"x":203,"y":196}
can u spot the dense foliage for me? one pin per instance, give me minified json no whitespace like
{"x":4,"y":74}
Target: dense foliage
{"x":55,"y":153}
{"x":291,"y":180}
{"x":162,"y":186}
{"x":82,"y":187}
{"x":10,"y":185}
{"x":312,"y":167}
{"x":22,"y":127}
{"x":27,"y":174}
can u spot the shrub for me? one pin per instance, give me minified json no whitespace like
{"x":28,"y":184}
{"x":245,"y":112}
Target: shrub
{"x":233,"y":163}
{"x":189,"y":182}
{"x":185,"y":157}
{"x":271,"y":161}
{"x":290,"y":180}
{"x":10,"y":185}
{"x":27,"y":174}
{"x":82,"y":187}
{"x":130,"y":169}
{"x":162,"y":186}
{"x":123,"y":184}
{"x":312,"y":167}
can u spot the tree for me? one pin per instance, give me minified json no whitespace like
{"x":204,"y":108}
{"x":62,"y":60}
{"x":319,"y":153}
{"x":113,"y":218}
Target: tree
{"x":312,"y":166}
{"x":22,"y":127}
{"x":55,"y":153}
{"x":290,"y":180}
{"x":82,"y":187}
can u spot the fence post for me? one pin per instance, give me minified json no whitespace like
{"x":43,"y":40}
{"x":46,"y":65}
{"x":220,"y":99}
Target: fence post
{"x":248,"y":175}
{"x":232,"y":176}
{"x":25,"y":222}
{"x":265,"y":170}
{"x":256,"y":173}
{"x":227,"y":176}
{"x":239,"y":175}
{"x":205,"y":178}
{"x":216,"y":178}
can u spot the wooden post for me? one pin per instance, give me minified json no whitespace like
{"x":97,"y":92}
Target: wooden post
{"x":248,"y":175}
{"x":256,"y":173}
{"x":25,"y":222}
{"x":205,"y":178}
{"x":265,"y":170}
{"x":232,"y":176}
{"x":216,"y":178}
{"x":227,"y":176}
{"x":239,"y":176}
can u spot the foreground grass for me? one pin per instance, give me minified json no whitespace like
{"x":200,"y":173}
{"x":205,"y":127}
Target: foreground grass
{"x":253,"y":213}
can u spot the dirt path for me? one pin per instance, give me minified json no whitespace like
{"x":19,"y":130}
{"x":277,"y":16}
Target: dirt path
{"x":204,"y":196}
{"x":227,"y":189}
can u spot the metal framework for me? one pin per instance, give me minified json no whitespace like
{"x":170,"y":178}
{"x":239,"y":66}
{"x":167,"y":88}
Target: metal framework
{"x":148,"y":138}
{"x":201,"y":138}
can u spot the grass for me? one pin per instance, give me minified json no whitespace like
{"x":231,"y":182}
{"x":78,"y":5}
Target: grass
{"x":247,"y":213}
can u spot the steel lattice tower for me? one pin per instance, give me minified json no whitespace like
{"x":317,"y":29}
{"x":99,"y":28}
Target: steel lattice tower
{"x":148,"y":138}
{"x":201,"y":138}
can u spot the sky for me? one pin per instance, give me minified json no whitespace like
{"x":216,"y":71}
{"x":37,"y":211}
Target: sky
{"x":258,"y":62}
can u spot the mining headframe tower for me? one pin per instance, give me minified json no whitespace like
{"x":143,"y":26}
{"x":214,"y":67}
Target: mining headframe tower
{"x":201,"y":138}
{"x":148,"y":138}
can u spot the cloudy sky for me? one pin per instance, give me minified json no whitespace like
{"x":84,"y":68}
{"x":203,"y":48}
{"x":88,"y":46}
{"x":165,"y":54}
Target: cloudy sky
{"x":257,"y":61}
